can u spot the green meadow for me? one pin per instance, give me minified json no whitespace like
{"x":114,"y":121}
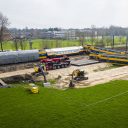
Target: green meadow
{"x":42,"y":43}
{"x":101,"y":106}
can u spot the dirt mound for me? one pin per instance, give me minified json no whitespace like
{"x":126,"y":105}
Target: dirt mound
{"x":17,"y":78}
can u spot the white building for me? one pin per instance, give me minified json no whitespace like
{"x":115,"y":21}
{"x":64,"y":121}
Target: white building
{"x":71,"y":35}
{"x":65,"y":34}
{"x":59,"y":34}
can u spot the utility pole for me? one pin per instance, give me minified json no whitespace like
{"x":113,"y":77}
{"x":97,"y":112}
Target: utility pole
{"x":21,"y":42}
{"x":126,"y":43}
{"x":30,"y":41}
{"x":1,"y":45}
{"x":92,"y":37}
{"x":102,"y":38}
{"x":113,"y":41}
{"x":15,"y":43}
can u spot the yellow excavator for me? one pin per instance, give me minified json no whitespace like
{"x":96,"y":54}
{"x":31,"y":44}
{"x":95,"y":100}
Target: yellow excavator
{"x":40,"y":70}
{"x":78,"y":75}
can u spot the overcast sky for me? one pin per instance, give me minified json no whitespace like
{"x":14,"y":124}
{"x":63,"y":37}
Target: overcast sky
{"x":65,"y":13}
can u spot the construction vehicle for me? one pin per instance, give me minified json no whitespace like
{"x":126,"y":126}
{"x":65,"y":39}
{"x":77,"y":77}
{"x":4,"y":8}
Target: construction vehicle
{"x":37,"y":67}
{"x":78,"y":75}
{"x":40,"y":70}
{"x":56,"y":63}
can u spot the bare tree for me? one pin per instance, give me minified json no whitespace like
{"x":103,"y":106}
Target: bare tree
{"x":3,"y":27}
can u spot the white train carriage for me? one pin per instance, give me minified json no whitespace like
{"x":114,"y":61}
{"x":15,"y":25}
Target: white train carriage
{"x":64,"y":51}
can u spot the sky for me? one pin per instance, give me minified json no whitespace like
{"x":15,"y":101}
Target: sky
{"x":65,"y":13}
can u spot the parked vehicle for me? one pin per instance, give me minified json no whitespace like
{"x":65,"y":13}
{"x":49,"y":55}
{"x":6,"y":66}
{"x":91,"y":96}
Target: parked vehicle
{"x":56,"y":63}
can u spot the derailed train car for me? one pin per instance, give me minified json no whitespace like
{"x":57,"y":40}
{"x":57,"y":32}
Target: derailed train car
{"x":14,"y":57}
{"x":59,"y":52}
{"x":69,"y":51}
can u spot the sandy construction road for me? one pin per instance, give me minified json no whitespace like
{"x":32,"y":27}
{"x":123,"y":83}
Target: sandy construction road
{"x":106,"y":76}
{"x":55,"y":73}
{"x":94,"y":77}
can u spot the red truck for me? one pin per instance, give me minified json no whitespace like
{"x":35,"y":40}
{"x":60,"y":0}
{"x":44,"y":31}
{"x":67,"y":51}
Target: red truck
{"x":56,"y":63}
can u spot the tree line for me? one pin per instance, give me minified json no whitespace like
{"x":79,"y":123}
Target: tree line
{"x":92,"y":34}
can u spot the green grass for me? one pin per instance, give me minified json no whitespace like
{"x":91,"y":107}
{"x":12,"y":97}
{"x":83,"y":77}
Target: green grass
{"x":42,"y":43}
{"x":65,"y":109}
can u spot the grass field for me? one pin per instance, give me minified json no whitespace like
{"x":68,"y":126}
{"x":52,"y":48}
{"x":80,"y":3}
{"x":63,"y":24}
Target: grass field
{"x":72,"y":108}
{"x":41,"y":43}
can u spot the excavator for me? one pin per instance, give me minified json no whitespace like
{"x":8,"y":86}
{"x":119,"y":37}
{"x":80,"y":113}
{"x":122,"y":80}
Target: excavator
{"x":40,"y":70}
{"x":78,"y":75}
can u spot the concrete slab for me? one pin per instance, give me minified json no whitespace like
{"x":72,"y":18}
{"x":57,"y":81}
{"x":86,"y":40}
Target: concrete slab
{"x":83,"y":62}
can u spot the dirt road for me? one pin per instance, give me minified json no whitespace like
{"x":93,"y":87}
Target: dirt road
{"x":66,"y":71}
{"x":94,"y":77}
{"x":106,"y":76}
{"x":55,"y":73}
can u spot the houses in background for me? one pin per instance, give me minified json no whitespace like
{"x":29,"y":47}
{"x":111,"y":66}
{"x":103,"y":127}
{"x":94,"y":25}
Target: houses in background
{"x":62,"y":34}
{"x":68,"y":34}
{"x":45,"y":34}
